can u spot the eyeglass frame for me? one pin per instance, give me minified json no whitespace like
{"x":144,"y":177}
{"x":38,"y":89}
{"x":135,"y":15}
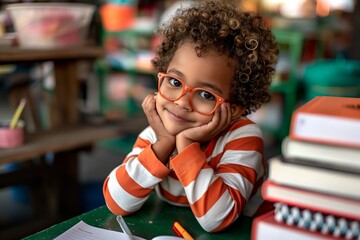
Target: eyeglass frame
{"x":185,"y":88}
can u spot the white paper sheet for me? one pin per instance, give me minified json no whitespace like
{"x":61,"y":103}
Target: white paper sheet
{"x":84,"y":231}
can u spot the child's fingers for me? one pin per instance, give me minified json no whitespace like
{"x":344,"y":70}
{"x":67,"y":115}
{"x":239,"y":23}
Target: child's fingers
{"x":148,"y":102}
{"x":224,"y":117}
{"x":149,"y":108}
{"x":228,"y":114}
{"x":145,"y":101}
{"x":216,"y":118}
{"x":224,"y":114}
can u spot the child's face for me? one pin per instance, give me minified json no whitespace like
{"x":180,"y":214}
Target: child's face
{"x":210,"y":71}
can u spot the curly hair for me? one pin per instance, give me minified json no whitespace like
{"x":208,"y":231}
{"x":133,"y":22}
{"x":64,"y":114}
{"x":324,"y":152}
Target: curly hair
{"x":243,"y":37}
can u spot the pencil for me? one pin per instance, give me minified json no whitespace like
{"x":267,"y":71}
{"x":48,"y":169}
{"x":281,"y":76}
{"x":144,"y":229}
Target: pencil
{"x":124,"y":227}
{"x":17,"y":113}
{"x":182,"y":231}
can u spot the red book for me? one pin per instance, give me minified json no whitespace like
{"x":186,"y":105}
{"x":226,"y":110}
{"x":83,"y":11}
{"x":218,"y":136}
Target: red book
{"x":327,"y":119}
{"x":265,"y":227}
{"x":325,"y":203}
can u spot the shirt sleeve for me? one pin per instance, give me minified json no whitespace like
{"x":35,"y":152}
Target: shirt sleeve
{"x":218,"y":186}
{"x":128,"y":186}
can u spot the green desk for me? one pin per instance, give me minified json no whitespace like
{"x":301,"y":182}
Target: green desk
{"x":154,"y":218}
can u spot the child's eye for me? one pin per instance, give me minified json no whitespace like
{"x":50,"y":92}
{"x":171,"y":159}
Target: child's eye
{"x":206,"y":95}
{"x":174,"y":82}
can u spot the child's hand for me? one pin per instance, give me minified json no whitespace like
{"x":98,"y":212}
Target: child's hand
{"x":204,"y":133}
{"x":149,"y":107}
{"x":165,"y":143}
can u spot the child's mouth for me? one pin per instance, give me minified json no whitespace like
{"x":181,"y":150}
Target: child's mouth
{"x":176,"y":117}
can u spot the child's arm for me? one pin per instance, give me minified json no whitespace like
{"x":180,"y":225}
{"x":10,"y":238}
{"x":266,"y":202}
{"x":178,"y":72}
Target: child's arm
{"x":165,"y":143}
{"x":128,"y":186}
{"x":219,"y":183}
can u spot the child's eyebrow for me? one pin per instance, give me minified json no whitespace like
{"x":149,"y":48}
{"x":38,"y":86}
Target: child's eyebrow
{"x":201,"y":84}
{"x":176,"y":72}
{"x":209,"y":85}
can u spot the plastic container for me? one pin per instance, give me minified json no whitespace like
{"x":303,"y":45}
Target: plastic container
{"x":48,"y":25}
{"x":117,"y":17}
{"x":333,"y":77}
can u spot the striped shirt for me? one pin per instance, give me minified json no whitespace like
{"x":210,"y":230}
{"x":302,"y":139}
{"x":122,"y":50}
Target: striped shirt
{"x":216,"y":183}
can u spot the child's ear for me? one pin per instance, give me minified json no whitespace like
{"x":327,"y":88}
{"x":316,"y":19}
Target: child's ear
{"x":236,"y":111}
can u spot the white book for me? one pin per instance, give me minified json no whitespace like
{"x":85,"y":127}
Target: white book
{"x":324,"y":153}
{"x":315,"y":177}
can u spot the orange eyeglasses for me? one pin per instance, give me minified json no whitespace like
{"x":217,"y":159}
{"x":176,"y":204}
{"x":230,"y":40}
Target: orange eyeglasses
{"x":202,"y":100}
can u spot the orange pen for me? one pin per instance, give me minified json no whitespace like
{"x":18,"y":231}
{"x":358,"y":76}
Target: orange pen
{"x":182,"y":231}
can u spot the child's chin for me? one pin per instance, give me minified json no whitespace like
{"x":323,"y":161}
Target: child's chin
{"x":174,"y":130}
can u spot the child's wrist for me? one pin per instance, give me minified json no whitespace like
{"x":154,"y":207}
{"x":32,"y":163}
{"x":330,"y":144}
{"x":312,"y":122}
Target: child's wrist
{"x":182,"y":142}
{"x":163,"y":148}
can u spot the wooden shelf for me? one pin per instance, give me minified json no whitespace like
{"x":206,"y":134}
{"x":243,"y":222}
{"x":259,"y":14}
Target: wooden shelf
{"x":16,"y":54}
{"x":69,"y":138}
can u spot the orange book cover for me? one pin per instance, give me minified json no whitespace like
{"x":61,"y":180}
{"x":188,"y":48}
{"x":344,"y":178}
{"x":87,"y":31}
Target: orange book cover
{"x":329,"y":120}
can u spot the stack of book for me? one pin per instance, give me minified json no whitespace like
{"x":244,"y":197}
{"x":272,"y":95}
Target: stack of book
{"x":315,"y":183}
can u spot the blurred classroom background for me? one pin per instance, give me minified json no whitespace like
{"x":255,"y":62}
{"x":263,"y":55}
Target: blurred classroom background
{"x":319,"y":55}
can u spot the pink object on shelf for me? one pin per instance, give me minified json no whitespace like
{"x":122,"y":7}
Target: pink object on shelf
{"x":11,"y":138}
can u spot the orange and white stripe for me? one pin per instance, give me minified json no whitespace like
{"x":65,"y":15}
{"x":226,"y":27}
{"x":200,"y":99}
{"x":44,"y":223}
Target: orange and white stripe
{"x":215,"y":183}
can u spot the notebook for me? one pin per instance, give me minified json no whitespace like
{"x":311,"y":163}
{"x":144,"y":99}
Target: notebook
{"x":84,"y":231}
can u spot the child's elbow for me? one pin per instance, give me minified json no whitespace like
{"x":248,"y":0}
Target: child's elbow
{"x":111,"y":204}
{"x":213,"y":227}
{"x":119,"y":212}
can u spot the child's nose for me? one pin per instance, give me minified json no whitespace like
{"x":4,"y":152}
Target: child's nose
{"x":184,"y":101}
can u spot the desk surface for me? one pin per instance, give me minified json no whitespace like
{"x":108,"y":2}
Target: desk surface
{"x":154,"y":218}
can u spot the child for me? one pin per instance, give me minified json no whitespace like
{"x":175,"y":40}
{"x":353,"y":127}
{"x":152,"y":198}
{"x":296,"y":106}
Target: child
{"x":214,"y":67}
